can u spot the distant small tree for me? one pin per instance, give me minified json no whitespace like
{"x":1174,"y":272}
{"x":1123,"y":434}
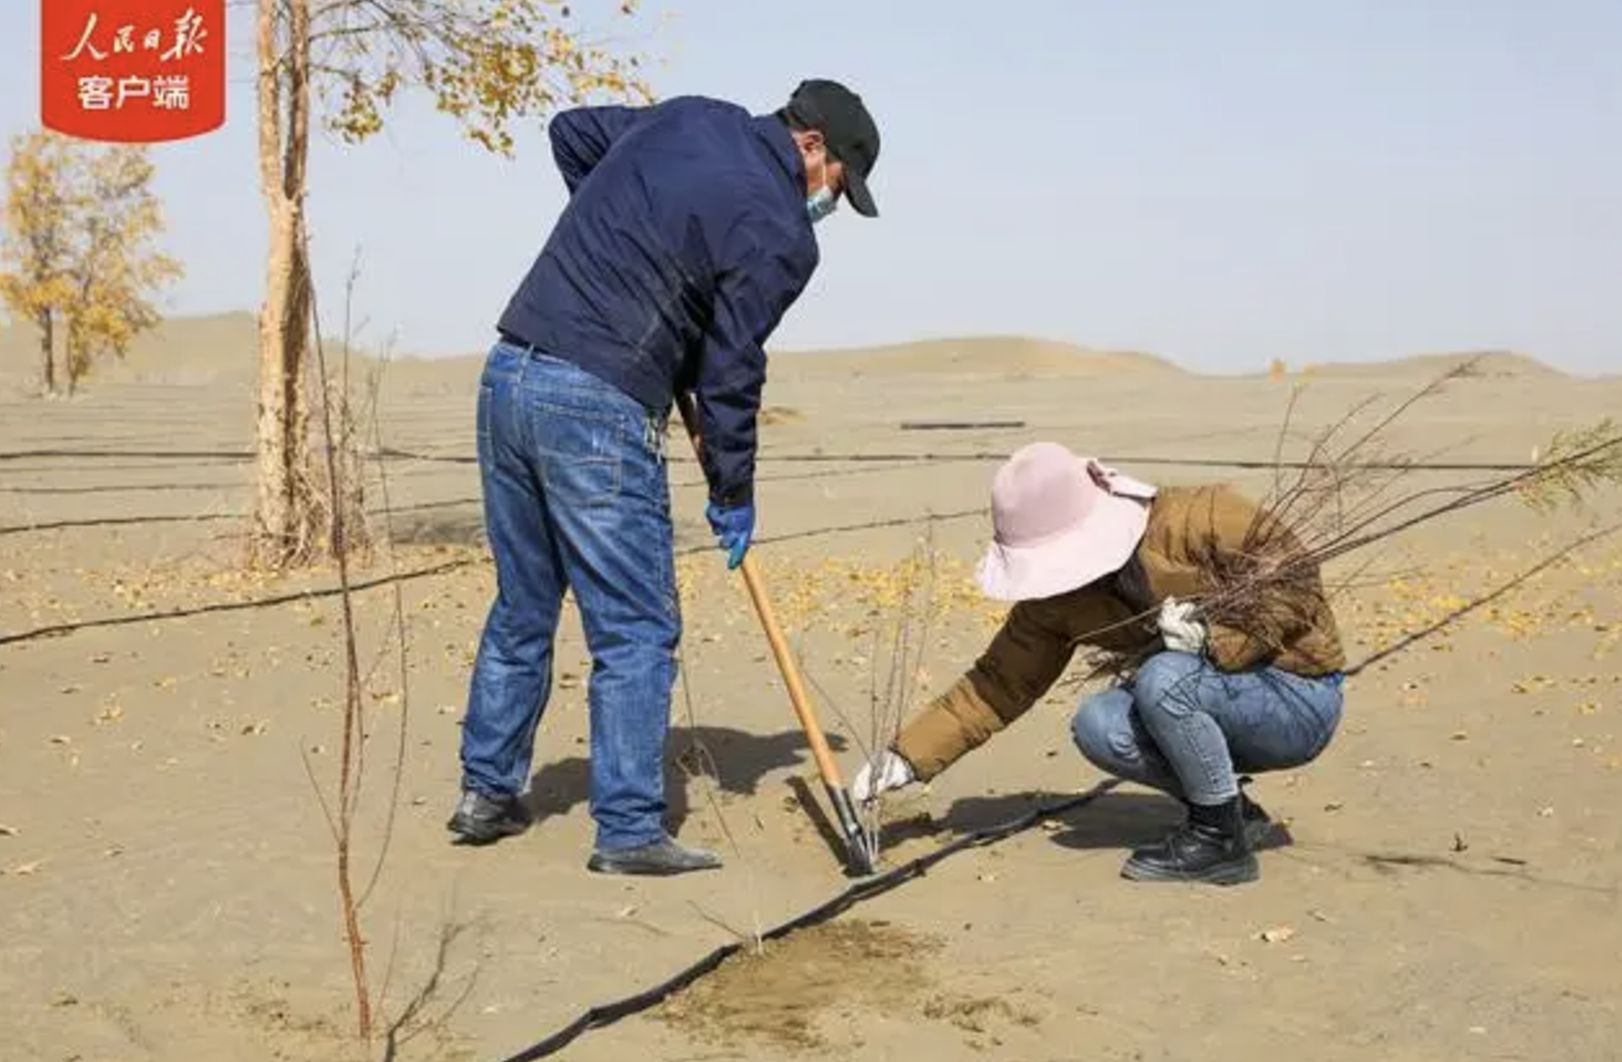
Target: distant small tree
{"x":116,"y":270}
{"x":77,"y":250}
{"x":36,"y":246}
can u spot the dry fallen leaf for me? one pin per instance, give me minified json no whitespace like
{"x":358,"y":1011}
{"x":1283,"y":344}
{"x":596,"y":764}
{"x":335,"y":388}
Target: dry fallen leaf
{"x":1276,"y":935}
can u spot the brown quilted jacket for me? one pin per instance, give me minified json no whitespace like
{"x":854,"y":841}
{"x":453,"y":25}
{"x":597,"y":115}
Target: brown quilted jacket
{"x":1187,"y":525}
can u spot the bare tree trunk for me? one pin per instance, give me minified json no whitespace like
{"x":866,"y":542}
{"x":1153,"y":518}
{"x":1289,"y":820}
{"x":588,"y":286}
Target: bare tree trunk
{"x":284,"y":517}
{"x":47,"y":323}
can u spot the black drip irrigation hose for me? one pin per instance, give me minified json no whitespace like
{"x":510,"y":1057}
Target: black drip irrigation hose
{"x":115,"y":521}
{"x":59,"y":629}
{"x":930,"y":457}
{"x":816,"y":458}
{"x":606,"y":1014}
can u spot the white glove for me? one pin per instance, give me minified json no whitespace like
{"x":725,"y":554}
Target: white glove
{"x":891,"y":772}
{"x":1181,"y":632}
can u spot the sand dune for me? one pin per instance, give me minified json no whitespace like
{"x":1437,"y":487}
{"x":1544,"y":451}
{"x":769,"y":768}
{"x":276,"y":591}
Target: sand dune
{"x":978,"y":355}
{"x":222,"y":348}
{"x":182,"y":350}
{"x":1488,"y":363}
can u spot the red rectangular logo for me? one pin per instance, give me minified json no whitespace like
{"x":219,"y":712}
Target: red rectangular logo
{"x":133,"y":71}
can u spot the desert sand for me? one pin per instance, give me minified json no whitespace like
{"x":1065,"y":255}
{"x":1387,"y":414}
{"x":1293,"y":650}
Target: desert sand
{"x":167,"y":887}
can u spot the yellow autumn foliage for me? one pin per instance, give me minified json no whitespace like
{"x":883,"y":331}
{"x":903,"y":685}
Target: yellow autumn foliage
{"x":487,"y":63}
{"x":77,"y":250}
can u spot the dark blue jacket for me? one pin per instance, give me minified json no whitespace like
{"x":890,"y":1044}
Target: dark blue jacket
{"x":684,"y":241}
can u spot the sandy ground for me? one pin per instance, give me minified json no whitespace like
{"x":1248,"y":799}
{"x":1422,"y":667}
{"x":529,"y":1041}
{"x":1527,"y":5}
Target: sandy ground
{"x":168,"y":878}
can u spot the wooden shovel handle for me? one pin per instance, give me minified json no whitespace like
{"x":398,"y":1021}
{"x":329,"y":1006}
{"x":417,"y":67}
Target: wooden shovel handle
{"x":826,"y":765}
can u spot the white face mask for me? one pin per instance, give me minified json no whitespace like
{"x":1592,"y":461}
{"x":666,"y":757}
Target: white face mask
{"x":822,"y":202}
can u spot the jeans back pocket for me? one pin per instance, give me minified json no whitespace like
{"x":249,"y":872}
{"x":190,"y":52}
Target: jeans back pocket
{"x":580,"y":453}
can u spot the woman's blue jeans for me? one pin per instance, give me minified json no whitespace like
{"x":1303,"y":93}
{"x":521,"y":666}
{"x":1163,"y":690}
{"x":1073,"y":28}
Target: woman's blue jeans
{"x":1187,"y":728}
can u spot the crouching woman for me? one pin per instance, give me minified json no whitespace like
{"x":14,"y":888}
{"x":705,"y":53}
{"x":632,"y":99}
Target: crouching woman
{"x":1091,"y":557}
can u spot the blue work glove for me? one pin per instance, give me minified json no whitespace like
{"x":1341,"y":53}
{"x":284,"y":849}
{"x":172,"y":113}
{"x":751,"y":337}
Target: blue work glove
{"x":734,"y":527}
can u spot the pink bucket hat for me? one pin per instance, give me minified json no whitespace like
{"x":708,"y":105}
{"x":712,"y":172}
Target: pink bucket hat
{"x":1061,"y":522}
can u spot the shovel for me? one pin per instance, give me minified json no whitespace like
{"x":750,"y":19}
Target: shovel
{"x":859,"y":847}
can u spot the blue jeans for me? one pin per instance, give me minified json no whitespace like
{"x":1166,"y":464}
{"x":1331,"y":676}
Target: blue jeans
{"x":1185,"y":727}
{"x":575,"y":497}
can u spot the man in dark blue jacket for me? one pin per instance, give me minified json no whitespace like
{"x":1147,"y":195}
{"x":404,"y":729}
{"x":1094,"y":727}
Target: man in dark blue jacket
{"x":686,"y":237}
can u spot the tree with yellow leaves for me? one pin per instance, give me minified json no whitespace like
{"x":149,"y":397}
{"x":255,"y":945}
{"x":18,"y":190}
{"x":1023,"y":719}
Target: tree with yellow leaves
{"x":115,"y":270}
{"x":36,"y":249}
{"x":486,"y":63}
{"x":80,"y":222}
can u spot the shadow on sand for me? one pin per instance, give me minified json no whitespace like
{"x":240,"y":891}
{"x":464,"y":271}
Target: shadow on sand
{"x":741,"y":760}
{"x":1114,"y":820}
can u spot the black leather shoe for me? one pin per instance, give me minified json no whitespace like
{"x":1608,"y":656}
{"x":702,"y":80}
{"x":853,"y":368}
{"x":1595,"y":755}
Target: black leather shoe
{"x":1216,"y":855}
{"x":1262,"y":831}
{"x":483,"y":819}
{"x":662,"y":858}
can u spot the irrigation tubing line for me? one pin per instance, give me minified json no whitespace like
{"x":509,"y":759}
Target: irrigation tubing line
{"x":177,"y":455}
{"x":687,"y":551}
{"x":825,"y":458}
{"x":606,"y":1014}
{"x":116,"y":521}
{"x":230,"y":606}
{"x":1552,"y":559}
{"x":137,"y":488}
{"x":59,"y":629}
{"x":929,"y":457}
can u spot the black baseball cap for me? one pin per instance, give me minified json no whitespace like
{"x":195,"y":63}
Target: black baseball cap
{"x":849,"y":131}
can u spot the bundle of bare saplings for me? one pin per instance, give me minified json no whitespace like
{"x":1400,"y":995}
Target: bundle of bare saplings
{"x":1350,"y":493}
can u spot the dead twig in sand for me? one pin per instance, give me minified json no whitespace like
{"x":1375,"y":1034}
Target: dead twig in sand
{"x":412,"y":1020}
{"x":709,"y":776}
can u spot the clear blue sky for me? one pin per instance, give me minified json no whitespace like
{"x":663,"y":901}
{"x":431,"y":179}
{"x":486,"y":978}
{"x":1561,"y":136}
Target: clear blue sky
{"x":1218,"y":181}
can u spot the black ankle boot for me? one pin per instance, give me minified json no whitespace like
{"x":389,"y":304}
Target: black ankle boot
{"x":1210,"y":846}
{"x":1262,"y":831}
